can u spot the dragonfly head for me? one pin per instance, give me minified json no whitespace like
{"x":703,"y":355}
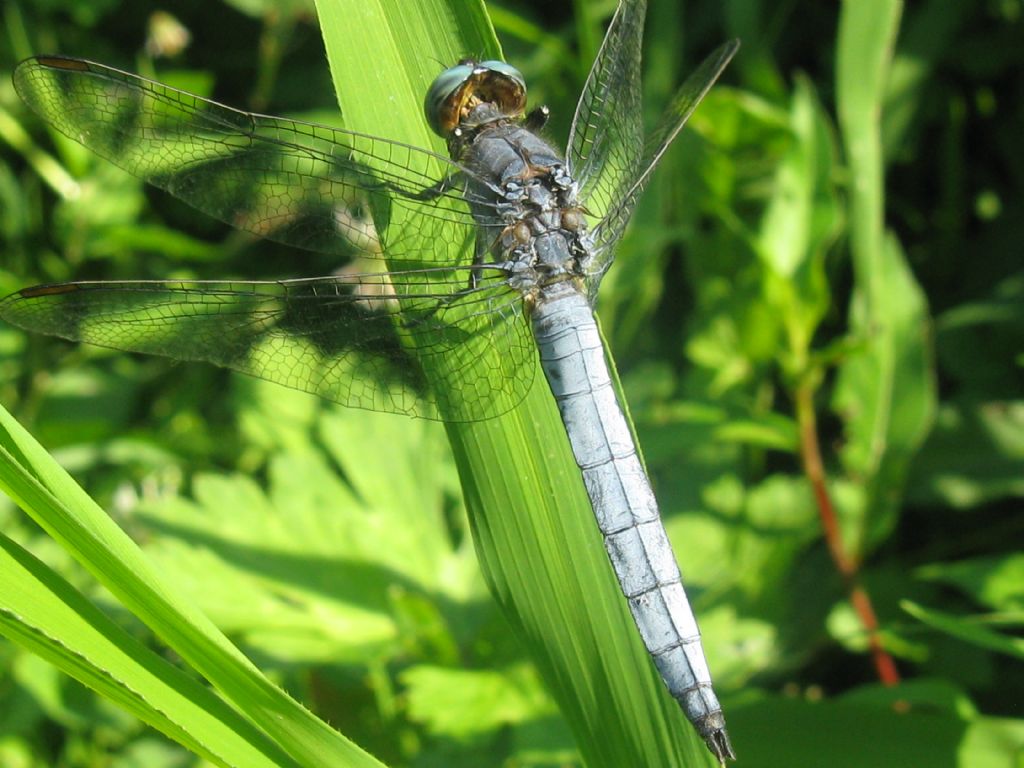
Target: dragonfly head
{"x":459,"y":89}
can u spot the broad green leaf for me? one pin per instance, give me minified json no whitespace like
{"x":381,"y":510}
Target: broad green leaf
{"x":308,"y":570}
{"x":801,"y":221}
{"x":886,"y":391}
{"x":774,"y":431}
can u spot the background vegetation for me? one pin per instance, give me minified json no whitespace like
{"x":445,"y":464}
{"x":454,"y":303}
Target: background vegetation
{"x":824,"y":364}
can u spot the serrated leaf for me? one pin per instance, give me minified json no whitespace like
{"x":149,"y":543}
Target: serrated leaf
{"x":463,"y":703}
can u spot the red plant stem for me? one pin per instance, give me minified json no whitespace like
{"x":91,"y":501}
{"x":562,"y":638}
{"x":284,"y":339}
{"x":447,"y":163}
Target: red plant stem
{"x":810,"y":453}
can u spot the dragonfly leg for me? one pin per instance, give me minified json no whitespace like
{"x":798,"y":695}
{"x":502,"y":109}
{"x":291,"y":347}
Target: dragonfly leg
{"x":428,"y":193}
{"x":480,"y":260}
{"x":441,"y":304}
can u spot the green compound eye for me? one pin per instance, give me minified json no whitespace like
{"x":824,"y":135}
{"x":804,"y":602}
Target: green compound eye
{"x":471,"y":82}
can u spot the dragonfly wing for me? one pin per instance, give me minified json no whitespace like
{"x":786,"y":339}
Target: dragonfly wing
{"x":620,"y":207}
{"x":606,"y":136}
{"x":306,"y":185}
{"x":363,"y":340}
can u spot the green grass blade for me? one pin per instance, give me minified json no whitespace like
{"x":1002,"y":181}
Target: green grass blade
{"x":44,"y":614}
{"x":41,"y":488}
{"x":533,"y":527}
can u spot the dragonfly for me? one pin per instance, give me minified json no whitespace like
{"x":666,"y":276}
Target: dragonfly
{"x":486,"y":260}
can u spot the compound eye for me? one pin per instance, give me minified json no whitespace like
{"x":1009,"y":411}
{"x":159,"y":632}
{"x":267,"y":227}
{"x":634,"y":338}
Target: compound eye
{"x":458,"y":89}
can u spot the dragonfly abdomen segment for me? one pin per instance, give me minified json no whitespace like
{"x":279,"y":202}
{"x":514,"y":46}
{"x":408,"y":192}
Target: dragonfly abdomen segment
{"x":572,"y":357}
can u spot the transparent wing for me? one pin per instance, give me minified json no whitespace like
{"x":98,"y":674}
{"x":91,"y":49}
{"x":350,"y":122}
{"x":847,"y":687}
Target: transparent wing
{"x":305,"y":185}
{"x":624,"y":196}
{"x":606,"y":137}
{"x":363,"y":340}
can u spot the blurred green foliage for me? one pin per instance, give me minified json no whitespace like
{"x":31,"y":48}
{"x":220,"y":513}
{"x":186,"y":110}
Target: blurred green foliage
{"x":801,"y":247}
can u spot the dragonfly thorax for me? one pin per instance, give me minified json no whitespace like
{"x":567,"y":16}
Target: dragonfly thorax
{"x":520,"y":191}
{"x":529,"y":202}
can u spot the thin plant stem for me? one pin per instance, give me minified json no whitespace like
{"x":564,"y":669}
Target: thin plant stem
{"x":810,"y":453}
